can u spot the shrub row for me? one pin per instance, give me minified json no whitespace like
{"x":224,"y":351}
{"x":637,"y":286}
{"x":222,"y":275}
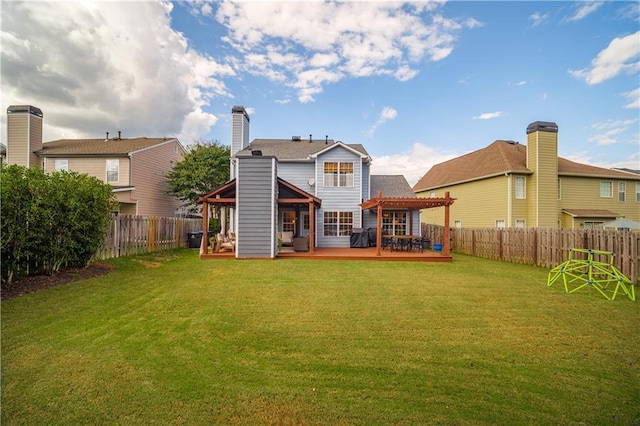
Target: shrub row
{"x":50,"y":220}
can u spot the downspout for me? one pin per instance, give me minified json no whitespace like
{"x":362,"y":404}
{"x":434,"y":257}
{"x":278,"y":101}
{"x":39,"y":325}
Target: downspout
{"x":509,"y":199}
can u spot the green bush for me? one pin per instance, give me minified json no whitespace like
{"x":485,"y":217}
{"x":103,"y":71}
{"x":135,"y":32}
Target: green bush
{"x":50,"y":220}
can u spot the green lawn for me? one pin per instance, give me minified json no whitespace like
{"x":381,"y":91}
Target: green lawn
{"x":171,"y":339}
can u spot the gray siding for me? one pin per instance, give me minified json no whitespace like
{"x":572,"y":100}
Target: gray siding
{"x":366,"y":182}
{"x":338,"y":198}
{"x":298,"y":174}
{"x":256,"y":192}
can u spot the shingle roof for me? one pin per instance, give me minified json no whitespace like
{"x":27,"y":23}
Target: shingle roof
{"x":498,"y":158}
{"x":392,"y":186}
{"x":287,"y":149}
{"x":92,"y":147}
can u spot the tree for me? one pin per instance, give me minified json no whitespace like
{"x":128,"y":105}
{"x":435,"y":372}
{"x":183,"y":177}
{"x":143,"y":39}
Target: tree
{"x":203,"y":168}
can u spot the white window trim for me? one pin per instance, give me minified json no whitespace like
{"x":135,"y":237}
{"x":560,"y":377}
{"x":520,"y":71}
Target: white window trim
{"x":61,"y":165}
{"x":331,"y":183}
{"x":113,"y":161}
{"x":500,"y":222}
{"x":522,"y":221}
{"x":622,"y":192}
{"x":637,"y":192}
{"x":610,"y":189}
{"x":523,"y":195}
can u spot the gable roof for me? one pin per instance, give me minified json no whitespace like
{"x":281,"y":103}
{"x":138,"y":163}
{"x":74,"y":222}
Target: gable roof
{"x":225,"y":195}
{"x":99,"y":147}
{"x":391,"y":186}
{"x":499,"y":158}
{"x":287,"y":149}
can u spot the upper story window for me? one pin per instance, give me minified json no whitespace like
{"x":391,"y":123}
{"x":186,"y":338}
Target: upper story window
{"x":638,"y":192}
{"x":606,"y":189}
{"x":521,"y":192}
{"x":113,"y":171}
{"x":500,"y":223}
{"x":62,"y":165}
{"x":559,"y":189}
{"x":622,"y":191}
{"x":520,"y":223}
{"x":338,"y":173}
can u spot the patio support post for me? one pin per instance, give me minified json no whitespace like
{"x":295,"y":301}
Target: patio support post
{"x":205,"y":228}
{"x":379,"y":231}
{"x":312,"y":227}
{"x":445,"y":243}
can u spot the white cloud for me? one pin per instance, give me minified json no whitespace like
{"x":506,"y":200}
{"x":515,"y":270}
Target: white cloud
{"x":634,"y":99}
{"x":413,"y":164}
{"x":111,"y":68}
{"x":619,"y":56}
{"x":610,"y":131}
{"x":538,"y":18}
{"x":606,"y":138}
{"x":488,"y":115}
{"x":355,"y":39}
{"x":584,"y":9}
{"x":386,"y":114}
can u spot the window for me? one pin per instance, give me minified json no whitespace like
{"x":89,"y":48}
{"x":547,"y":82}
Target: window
{"x":394,"y":223}
{"x":500,"y":223}
{"x":520,"y":188}
{"x":338,"y":224}
{"x":520,"y":223}
{"x":606,"y":189}
{"x":338,"y":174}
{"x":559,"y":189}
{"x":289,"y":221}
{"x":113,"y":171}
{"x":622,"y":191}
{"x":432,"y":194}
{"x":638,"y":192}
{"x":62,"y":165}
{"x":457,"y":224}
{"x":592,"y":225}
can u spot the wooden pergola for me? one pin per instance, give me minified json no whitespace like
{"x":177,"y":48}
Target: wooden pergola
{"x":380,"y":203}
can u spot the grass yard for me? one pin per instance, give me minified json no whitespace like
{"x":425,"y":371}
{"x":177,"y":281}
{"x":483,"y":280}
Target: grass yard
{"x":171,"y":339}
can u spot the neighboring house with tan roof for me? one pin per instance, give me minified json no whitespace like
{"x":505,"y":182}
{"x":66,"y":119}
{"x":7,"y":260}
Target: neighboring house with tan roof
{"x":508,"y":184}
{"x":136,"y":168}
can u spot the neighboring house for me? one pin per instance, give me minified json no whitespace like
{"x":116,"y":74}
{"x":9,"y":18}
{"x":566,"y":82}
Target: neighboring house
{"x":3,"y":153}
{"x":508,"y":184}
{"x":134,"y":167}
{"x":312,"y":187}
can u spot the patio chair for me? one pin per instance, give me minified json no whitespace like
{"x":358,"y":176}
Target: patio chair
{"x":224,"y":245}
{"x":287,"y":238}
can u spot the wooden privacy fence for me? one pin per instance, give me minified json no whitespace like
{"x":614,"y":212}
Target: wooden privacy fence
{"x":546,"y":247}
{"x":130,"y":235}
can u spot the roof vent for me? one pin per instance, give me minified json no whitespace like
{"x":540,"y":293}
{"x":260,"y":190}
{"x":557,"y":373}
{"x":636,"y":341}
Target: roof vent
{"x":296,"y":138}
{"x":256,"y":153}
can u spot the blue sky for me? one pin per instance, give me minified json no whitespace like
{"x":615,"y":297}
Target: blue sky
{"x":415,"y":83}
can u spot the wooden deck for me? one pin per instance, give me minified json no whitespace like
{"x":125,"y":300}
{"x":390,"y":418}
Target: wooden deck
{"x":350,"y":254}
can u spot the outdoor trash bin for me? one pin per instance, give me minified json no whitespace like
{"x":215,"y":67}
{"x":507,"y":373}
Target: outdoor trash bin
{"x":194,"y":239}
